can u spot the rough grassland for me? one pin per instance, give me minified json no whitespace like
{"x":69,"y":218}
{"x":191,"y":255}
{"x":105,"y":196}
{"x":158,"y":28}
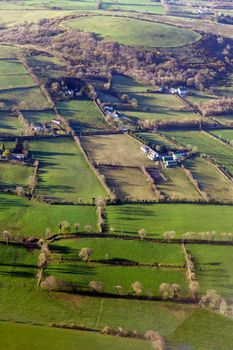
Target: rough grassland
{"x":134,"y":32}
{"x":128,"y":183}
{"x":158,"y":218}
{"x":159,"y":107}
{"x":214,"y":266}
{"x":115,"y":150}
{"x":24,"y":99}
{"x":83,"y":115}
{"x":12,"y":67}
{"x":109,"y":249}
{"x":178,"y":186}
{"x":64,"y":173}
{"x":206,"y":144}
{"x":12,"y":176}
{"x":24,"y":217}
{"x":18,"y":268}
{"x":29,"y":337}
{"x":8,"y":51}
{"x":204,"y":330}
{"x":210,"y":180}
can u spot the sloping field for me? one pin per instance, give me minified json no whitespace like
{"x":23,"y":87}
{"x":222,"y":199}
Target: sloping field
{"x":24,"y":217}
{"x":210,"y":180}
{"x":115,"y":150}
{"x":35,"y":117}
{"x":206,"y":144}
{"x":8,"y":51}
{"x":129,"y":31}
{"x":13,"y":75}
{"x":225,"y":134}
{"x":158,"y":218}
{"x":125,"y":84}
{"x":64,"y":173}
{"x":128,"y":183}
{"x":157,"y":140}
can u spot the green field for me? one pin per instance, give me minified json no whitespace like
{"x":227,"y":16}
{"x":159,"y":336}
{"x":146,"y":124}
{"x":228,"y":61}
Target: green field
{"x":27,"y":99}
{"x":81,"y":274}
{"x":18,"y":269}
{"x":129,"y":31}
{"x":214,"y":268}
{"x":222,"y":154}
{"x":120,"y":150}
{"x":142,"y":252}
{"x":178,"y":185}
{"x":158,"y":218}
{"x":39,"y":116}
{"x":13,"y":75}
{"x":9,"y":125}
{"x":31,"y":218}
{"x":158,"y":107}
{"x":12,"y":67}
{"x":128,"y":183}
{"x":83,"y":115}
{"x":46,"y":67}
{"x":34,"y":337}
{"x":203,"y":330}
{"x":12,"y":176}
{"x":64,"y":173}
{"x":210,"y":179}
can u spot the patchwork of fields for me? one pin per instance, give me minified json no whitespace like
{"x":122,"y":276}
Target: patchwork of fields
{"x":116,"y":199}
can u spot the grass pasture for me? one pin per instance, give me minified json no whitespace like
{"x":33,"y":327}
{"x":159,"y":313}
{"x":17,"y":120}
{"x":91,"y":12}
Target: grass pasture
{"x":210,"y":180}
{"x":128,"y":183}
{"x":178,"y":186}
{"x":14,"y":75}
{"x":221,"y":153}
{"x":9,"y":125}
{"x":158,"y":218}
{"x":224,"y":134}
{"x":83,"y":115}
{"x":27,"y":337}
{"x":214,"y":268}
{"x":64,"y":173}
{"x":23,"y":217}
{"x":120,"y":150}
{"x":46,"y":67}
{"x":124,"y":84}
{"x":35,"y":117}
{"x":12,"y":176}
{"x":25,"y":99}
{"x":158,"y":107}
{"x":81,"y":274}
{"x":134,"y":32}
{"x":109,"y":249}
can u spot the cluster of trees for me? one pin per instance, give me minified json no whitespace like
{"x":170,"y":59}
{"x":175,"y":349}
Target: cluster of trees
{"x":223,"y":105}
{"x":170,"y":291}
{"x":191,"y":273}
{"x":216,"y":302}
{"x":208,"y":235}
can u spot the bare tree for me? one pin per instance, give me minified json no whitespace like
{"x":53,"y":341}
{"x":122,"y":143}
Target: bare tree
{"x":142,"y":233}
{"x":7,"y":236}
{"x":76,"y":227}
{"x":137,"y":287}
{"x":96,"y":286}
{"x":85,"y":254}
